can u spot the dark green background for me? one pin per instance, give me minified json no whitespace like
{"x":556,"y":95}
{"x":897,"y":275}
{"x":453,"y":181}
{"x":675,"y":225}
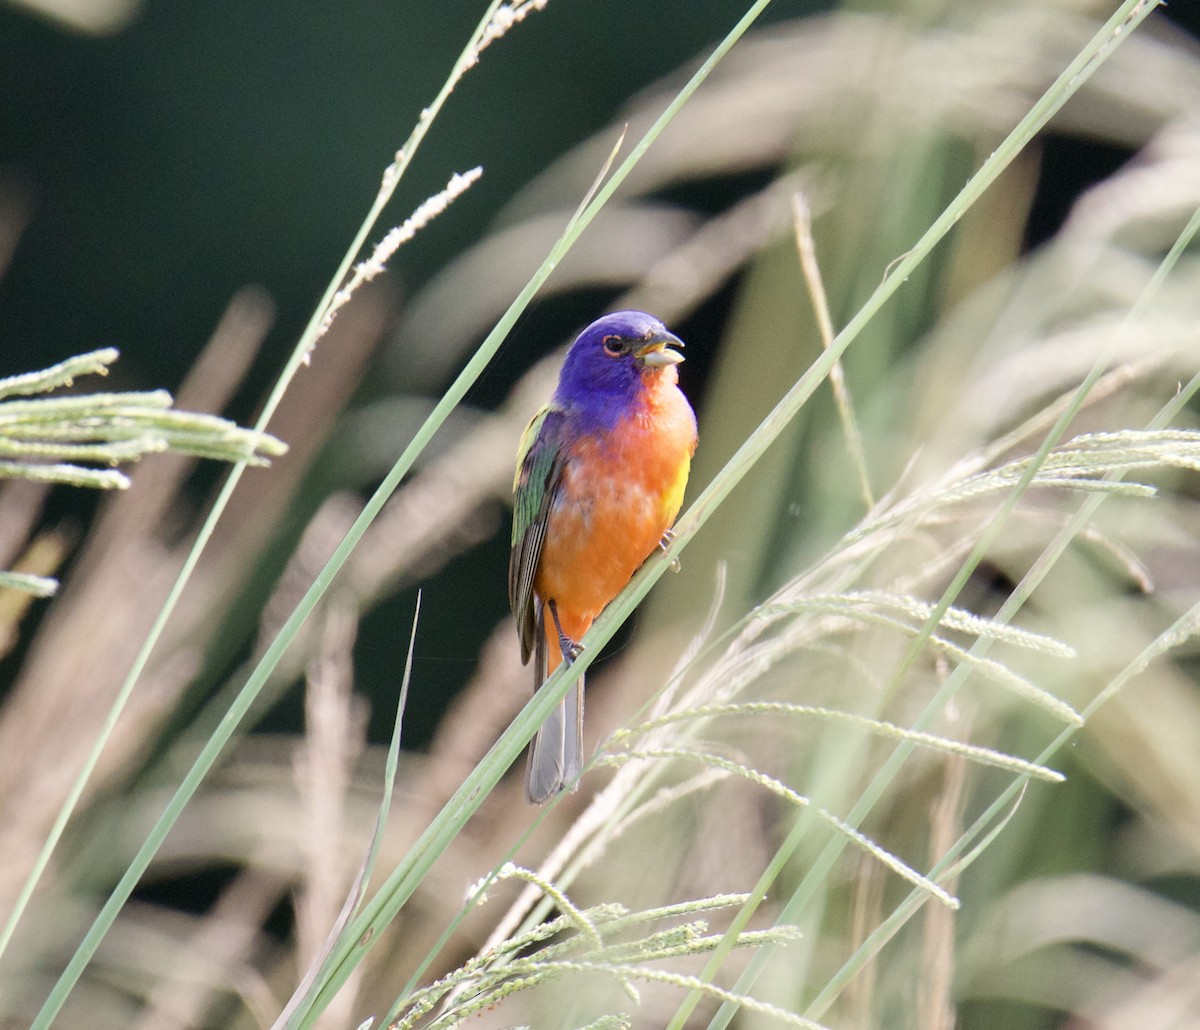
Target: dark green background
{"x":209,"y":146}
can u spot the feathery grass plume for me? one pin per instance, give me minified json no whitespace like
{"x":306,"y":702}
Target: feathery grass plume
{"x":982,"y":755}
{"x":107,"y":428}
{"x":386,"y":248}
{"x":607,"y":940}
{"x":60,"y":439}
{"x":502,"y":19}
{"x":800,"y":617}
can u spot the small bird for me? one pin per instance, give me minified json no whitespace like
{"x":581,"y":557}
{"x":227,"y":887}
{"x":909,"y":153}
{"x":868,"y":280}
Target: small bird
{"x":601,"y":472}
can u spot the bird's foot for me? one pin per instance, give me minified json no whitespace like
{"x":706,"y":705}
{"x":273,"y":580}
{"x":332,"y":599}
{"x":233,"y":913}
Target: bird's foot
{"x":668,"y":538}
{"x":569,"y":648}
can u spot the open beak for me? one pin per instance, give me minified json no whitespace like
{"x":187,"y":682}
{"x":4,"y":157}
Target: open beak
{"x":658,"y":353}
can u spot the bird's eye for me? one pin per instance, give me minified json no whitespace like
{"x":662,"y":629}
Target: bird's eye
{"x":613,"y":345}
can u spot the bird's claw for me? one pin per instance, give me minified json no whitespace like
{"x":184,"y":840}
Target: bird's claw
{"x":569,"y":648}
{"x":668,"y":538}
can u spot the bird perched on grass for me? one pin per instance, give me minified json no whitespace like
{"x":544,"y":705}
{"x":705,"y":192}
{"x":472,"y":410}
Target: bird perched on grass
{"x":601,"y":471}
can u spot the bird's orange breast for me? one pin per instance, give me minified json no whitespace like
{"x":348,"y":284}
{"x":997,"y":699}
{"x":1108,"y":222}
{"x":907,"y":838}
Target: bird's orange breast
{"x":620,"y":492}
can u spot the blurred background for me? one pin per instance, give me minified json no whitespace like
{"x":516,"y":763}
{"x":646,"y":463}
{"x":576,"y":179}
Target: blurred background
{"x":180,"y":182}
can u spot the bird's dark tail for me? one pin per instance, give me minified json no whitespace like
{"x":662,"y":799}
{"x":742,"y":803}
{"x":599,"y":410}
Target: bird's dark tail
{"x":556,"y":754}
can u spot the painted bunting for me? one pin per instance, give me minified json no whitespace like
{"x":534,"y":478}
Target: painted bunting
{"x":601,"y":472}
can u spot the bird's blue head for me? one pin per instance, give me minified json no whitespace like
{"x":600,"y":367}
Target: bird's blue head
{"x":612,"y":362}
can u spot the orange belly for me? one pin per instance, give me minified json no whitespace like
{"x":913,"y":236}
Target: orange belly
{"x":619,"y":494}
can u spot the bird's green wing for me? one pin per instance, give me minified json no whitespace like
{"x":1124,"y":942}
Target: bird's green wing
{"x":539,"y":473}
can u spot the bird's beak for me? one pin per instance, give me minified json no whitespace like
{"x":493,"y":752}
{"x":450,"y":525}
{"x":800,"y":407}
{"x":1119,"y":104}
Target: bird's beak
{"x":658,"y":353}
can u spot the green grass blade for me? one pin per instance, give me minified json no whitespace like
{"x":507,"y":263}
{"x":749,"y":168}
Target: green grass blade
{"x":466,"y":800}
{"x":1128,"y":16}
{"x":298,"y":358}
